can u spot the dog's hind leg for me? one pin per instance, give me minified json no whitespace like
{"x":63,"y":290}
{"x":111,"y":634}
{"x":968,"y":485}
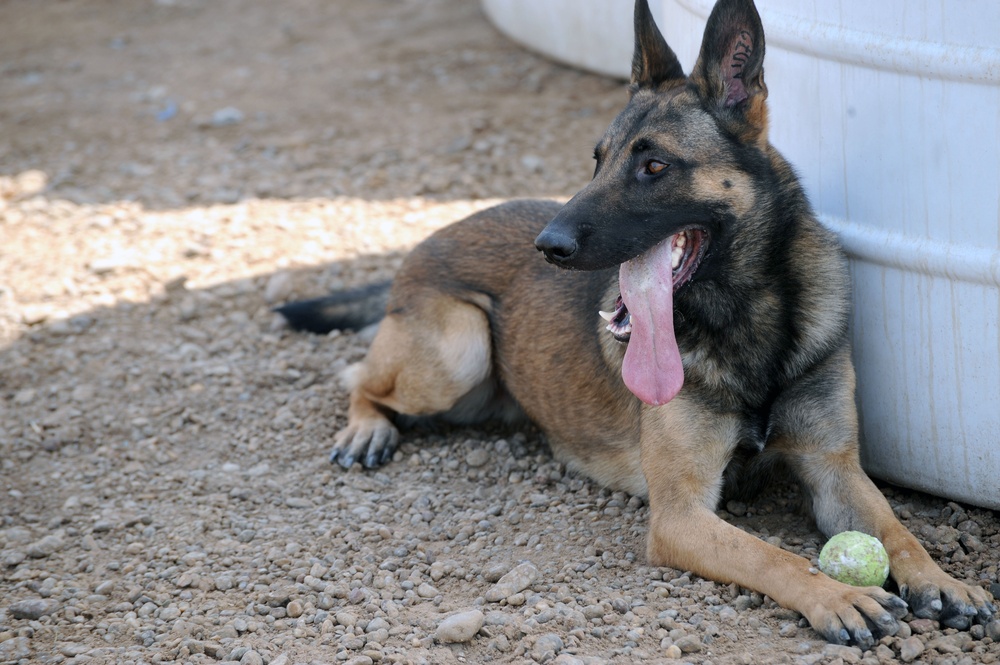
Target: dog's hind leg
{"x":428,"y":354}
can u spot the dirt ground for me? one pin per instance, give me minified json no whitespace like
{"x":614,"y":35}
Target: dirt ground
{"x":170,"y":170}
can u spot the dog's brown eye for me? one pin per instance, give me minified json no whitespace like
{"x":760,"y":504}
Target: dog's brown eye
{"x":654,"y":167}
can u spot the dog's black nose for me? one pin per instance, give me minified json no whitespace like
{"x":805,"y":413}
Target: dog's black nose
{"x":557,"y":245}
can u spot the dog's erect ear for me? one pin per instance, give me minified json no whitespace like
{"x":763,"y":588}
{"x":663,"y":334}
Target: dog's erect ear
{"x":653,"y":62}
{"x":729,"y":73}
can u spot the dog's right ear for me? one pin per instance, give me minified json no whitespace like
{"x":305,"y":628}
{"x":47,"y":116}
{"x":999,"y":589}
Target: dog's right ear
{"x":653,"y":62}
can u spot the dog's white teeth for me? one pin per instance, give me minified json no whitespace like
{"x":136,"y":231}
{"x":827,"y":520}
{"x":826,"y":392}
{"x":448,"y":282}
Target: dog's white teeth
{"x":681,"y":240}
{"x":607,"y":316}
{"x":676,"y":255}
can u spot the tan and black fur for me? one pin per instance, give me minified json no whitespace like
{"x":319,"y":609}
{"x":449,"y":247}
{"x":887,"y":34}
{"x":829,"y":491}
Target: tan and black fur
{"x":477,"y":325}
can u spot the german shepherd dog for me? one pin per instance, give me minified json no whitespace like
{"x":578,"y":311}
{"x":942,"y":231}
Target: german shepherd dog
{"x":723,"y":350}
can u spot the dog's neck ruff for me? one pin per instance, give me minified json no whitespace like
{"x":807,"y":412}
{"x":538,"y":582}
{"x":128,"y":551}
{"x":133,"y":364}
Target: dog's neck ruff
{"x":644,"y":315}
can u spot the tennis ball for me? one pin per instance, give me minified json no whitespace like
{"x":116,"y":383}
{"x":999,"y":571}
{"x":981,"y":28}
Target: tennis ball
{"x":855,"y":558}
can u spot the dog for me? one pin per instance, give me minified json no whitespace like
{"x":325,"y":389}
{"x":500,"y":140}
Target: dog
{"x":690,"y":338}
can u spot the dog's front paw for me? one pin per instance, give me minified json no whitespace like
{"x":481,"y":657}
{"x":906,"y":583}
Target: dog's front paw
{"x":858,"y":616}
{"x":372,"y":441}
{"x":935,"y":595}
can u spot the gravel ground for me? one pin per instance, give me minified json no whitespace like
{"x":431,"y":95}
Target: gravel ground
{"x":171,"y":169}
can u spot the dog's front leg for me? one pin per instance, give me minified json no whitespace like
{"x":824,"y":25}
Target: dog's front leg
{"x":684,"y":453}
{"x":817,"y":434}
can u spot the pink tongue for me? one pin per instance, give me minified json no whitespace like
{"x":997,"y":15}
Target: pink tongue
{"x":652,"y":367}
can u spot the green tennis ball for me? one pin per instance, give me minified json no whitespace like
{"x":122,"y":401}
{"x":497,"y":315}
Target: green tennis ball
{"x":855,"y":558}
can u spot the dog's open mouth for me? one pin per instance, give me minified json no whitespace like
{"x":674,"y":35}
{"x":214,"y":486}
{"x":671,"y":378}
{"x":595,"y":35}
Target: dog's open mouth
{"x":686,"y":251}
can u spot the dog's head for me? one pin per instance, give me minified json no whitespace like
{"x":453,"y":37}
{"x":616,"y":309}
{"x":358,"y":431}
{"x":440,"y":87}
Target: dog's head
{"x":676,"y":158}
{"x":677,"y":176}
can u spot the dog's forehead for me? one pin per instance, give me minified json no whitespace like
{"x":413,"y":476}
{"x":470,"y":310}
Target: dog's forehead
{"x":674,"y":122}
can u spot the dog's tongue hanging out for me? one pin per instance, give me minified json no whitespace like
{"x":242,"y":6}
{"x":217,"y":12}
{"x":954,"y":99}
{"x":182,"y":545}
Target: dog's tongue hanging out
{"x":652,"y":368}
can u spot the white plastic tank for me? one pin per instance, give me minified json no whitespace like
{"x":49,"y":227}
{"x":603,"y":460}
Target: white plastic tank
{"x":890,"y":112}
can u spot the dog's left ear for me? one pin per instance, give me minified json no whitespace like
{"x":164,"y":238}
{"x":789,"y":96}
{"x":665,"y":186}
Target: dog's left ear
{"x":653,"y":62}
{"x":729,"y":74}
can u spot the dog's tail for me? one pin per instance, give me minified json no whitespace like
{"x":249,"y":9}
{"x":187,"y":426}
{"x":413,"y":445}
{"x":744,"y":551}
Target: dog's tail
{"x":352,"y":309}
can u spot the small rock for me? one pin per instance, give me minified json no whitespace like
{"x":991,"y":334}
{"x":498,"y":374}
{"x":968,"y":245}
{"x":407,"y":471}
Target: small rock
{"x":737,"y":508}
{"x":922,"y":626}
{"x":494,"y":572}
{"x":460,"y":627}
{"x":214,"y":649}
{"x":688,"y":643}
{"x":295,"y":609}
{"x":278,"y":597}
{"x":346,"y":619}
{"x":425,"y":590}
{"x":11,"y":558}
{"x":567,"y":659}
{"x":378,"y":623}
{"x":993,"y":631}
{"x":279,"y":287}
{"x":477,"y":457}
{"x":673,"y":652}
{"x":15,"y":649}
{"x":533,"y":163}
{"x":910,"y":649}
{"x":252,"y":658}
{"x":847,"y":654}
{"x":359,"y":660}
{"x":32,"y":608}
{"x":546,"y":647}
{"x":518,"y":579}
{"x":229,"y":115}
{"x":45,"y":547}
{"x":83,"y":393}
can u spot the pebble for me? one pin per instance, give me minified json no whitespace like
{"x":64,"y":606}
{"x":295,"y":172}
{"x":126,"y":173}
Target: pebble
{"x":279,"y":287}
{"x":32,"y":608}
{"x":567,"y":659}
{"x":845,"y":653}
{"x":45,"y":547}
{"x":477,"y":457}
{"x":346,"y":619}
{"x":518,"y":579}
{"x":359,"y":660}
{"x":252,"y":658}
{"x":910,"y":649}
{"x":17,"y":649}
{"x":460,"y":627}
{"x":546,"y":647}
{"x":425,"y":590}
{"x":922,"y":626}
{"x":673,"y":652}
{"x":689,"y":644}
{"x":993,"y":631}
{"x":229,"y":115}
